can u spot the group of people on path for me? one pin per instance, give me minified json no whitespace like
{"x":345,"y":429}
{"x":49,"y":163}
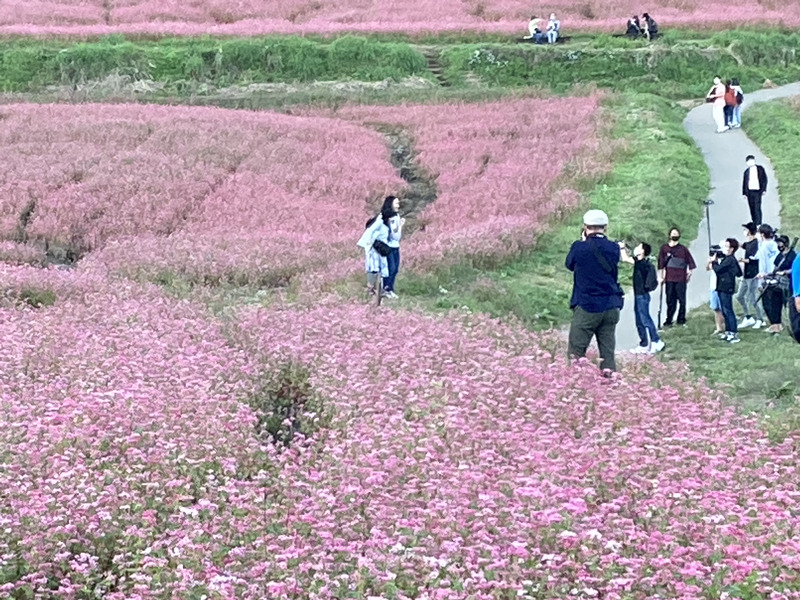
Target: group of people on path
{"x":549,"y":35}
{"x":727,"y":99}
{"x":770,"y":273}
{"x":381,"y":244}
{"x":646,"y":28}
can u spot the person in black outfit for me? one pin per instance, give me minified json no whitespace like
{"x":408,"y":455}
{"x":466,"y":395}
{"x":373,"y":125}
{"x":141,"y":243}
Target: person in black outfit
{"x":634,"y":29}
{"x":748,"y":288}
{"x":779,"y":285}
{"x":645,"y":280}
{"x":754,"y":186}
{"x":596,"y":295}
{"x":727,"y":270}
{"x":651,"y":28}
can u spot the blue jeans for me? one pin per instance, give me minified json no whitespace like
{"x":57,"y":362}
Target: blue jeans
{"x":726,"y":303}
{"x":393,"y":264}
{"x":644,"y":322}
{"x":737,"y":115}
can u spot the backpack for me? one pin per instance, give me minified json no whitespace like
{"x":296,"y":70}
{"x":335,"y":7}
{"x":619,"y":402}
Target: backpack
{"x":650,"y":278}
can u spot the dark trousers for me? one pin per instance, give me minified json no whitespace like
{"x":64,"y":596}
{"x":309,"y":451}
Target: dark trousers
{"x":773,"y":303}
{"x":602,"y":325}
{"x":728,"y":112}
{"x":393,"y":264}
{"x":644,"y":322}
{"x":794,"y":320}
{"x":726,"y":305}
{"x":676,"y":293}
{"x":754,"y":202}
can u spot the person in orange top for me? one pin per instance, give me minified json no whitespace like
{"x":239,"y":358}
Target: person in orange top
{"x":730,"y":103}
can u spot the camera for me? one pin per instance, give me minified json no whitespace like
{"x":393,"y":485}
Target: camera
{"x":623,"y":245}
{"x":716,"y":252}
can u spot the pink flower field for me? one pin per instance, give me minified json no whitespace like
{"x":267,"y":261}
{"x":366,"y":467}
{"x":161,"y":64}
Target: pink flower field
{"x":256,"y":17}
{"x":473,"y":464}
{"x":213,"y":195}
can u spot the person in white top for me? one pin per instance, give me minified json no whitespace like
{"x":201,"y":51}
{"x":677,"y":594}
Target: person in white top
{"x":533,"y":28}
{"x":553,"y":28}
{"x":717,"y":95}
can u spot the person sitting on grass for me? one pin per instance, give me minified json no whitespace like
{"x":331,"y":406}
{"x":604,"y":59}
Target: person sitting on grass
{"x":553,"y":29}
{"x":634,"y":29}
{"x":534,"y":33}
{"x":649,"y":27}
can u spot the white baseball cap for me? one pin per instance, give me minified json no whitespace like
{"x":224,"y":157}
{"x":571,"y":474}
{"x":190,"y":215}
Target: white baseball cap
{"x":595,"y":218}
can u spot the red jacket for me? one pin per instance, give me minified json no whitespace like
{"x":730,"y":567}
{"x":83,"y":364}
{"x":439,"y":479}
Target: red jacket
{"x":730,"y":96}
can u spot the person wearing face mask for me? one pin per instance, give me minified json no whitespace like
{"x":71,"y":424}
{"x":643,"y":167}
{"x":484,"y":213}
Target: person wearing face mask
{"x":727,"y":270}
{"x":645,"y":281}
{"x":748,"y":288}
{"x":675,"y":265}
{"x":778,"y":284}
{"x":717,"y":95}
{"x":754,"y":185}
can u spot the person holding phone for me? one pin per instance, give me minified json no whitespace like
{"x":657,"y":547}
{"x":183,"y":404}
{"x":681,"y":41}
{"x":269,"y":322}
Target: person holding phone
{"x":395,"y":223}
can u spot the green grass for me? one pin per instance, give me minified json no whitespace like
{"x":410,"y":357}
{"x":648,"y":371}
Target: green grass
{"x":775,"y":128}
{"x":658,"y":180}
{"x":760,"y":373}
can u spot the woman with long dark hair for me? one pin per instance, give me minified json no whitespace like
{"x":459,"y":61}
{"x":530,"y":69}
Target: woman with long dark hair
{"x":394,"y":222}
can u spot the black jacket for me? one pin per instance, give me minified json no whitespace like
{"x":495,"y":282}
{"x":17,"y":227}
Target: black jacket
{"x":727,"y":271}
{"x":762,"y":180}
{"x":640,"y":270}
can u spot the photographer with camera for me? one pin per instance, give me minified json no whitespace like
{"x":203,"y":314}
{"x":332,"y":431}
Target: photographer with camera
{"x":645,"y":280}
{"x":596,"y":295}
{"x":675,"y":265}
{"x":778,"y":284}
{"x":727,"y":269}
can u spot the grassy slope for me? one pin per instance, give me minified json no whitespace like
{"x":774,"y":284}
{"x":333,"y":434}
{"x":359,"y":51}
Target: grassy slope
{"x":641,"y":197}
{"x":762,"y":370}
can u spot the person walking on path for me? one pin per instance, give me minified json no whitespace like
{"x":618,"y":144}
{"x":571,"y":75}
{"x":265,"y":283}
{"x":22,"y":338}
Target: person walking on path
{"x":754,"y":186}
{"x":730,"y":104}
{"x":596,"y":295}
{"x":675,"y":265}
{"x":748,"y":288}
{"x":727,"y":270}
{"x":717,"y":95}
{"x":645,"y":280}
{"x":394,"y":222}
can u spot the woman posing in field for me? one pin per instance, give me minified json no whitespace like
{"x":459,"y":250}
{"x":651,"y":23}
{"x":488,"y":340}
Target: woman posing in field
{"x":395,"y":224}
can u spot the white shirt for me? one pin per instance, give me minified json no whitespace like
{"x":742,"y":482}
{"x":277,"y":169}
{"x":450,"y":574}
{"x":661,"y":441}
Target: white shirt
{"x":752,"y":179}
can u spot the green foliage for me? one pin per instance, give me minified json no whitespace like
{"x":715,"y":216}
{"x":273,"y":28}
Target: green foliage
{"x":36,"y":297}
{"x":287,"y":404}
{"x":671,"y":67}
{"x":775,"y":128}
{"x":30,"y":65}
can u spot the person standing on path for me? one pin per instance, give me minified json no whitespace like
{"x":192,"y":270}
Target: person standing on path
{"x":727,"y":270}
{"x":645,"y":280}
{"x":596,"y":295}
{"x":394,"y":222}
{"x":748,"y":288}
{"x":754,"y":186}
{"x":675,"y":265}
{"x":717,"y":95}
{"x":737,"y":110}
{"x":730,"y":103}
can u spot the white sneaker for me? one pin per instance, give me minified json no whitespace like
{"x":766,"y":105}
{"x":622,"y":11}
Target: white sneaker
{"x":657,"y":346}
{"x":758,"y":324}
{"x":734,"y":339}
{"x":747,"y":322}
{"x":640,"y":350}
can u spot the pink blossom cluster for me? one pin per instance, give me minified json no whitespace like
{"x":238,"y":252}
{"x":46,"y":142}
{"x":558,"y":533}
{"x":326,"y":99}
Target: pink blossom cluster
{"x":497,"y":167}
{"x":208,"y":193}
{"x":215,"y":195}
{"x":256,"y":17}
{"x":472,"y":462}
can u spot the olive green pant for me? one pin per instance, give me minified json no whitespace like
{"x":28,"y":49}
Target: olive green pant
{"x":603,"y":325}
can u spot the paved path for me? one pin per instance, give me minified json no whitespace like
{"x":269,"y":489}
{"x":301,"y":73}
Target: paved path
{"x":724,"y":154}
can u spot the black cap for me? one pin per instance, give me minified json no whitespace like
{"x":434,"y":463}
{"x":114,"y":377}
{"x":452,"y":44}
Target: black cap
{"x":751,"y":227}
